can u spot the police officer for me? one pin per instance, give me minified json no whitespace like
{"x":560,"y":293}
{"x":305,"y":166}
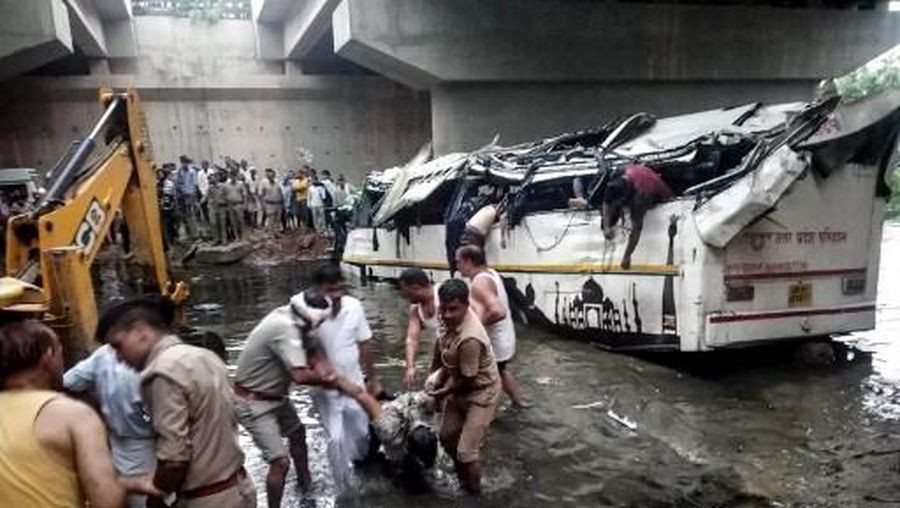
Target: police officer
{"x":190,"y":401}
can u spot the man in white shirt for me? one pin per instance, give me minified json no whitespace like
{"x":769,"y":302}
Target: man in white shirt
{"x":203,"y":175}
{"x":344,"y":340}
{"x":317,"y":197}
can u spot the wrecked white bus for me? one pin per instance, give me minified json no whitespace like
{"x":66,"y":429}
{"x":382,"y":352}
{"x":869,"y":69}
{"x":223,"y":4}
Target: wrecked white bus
{"x":772,"y":232}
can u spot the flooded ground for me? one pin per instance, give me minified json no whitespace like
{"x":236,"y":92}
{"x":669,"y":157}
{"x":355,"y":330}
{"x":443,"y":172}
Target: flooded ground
{"x":747,"y":429}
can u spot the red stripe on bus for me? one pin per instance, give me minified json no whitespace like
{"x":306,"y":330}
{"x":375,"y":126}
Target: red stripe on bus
{"x":794,"y":275}
{"x":758,"y":316}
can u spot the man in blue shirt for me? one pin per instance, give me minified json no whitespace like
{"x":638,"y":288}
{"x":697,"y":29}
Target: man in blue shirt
{"x":187,"y":188}
{"x":116,"y":388}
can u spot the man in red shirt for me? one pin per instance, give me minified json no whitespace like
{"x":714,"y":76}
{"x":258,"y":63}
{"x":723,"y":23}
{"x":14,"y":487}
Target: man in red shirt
{"x":637,"y":188}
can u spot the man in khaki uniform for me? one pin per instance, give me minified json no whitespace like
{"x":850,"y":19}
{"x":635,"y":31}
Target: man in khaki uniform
{"x":218,"y":208}
{"x":235,"y":197}
{"x":273,"y":357}
{"x":272,"y":200}
{"x":191,"y":404}
{"x":467,"y":378}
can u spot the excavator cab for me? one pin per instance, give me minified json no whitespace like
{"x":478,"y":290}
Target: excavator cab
{"x":51,"y":248}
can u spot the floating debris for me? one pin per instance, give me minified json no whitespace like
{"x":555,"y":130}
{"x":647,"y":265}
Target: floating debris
{"x":621,"y":420}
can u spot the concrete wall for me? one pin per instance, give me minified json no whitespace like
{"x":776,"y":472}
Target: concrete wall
{"x":207,"y":95}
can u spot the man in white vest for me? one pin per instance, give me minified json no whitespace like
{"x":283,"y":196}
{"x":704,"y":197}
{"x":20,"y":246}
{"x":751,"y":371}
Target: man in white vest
{"x":491,"y":303}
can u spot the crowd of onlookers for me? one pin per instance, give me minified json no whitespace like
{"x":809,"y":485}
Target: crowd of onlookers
{"x":223,"y":203}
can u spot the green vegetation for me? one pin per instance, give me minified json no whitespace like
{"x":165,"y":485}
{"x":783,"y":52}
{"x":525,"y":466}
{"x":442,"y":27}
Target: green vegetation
{"x":875,"y":76}
{"x":205,"y":10}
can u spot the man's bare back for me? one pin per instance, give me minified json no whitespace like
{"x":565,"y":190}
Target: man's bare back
{"x":73,"y":435}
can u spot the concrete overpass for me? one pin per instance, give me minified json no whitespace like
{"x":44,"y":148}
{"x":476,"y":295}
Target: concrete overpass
{"x":363,"y":83}
{"x":530,"y":68}
{"x":36,"y":32}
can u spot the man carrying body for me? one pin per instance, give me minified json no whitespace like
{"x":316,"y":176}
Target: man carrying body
{"x":344,"y":341}
{"x":270,"y":195}
{"x":491,"y":304}
{"x":273,"y":357}
{"x":467,"y":379}
{"x":116,"y":387}
{"x":53,"y":449}
{"x":187,"y":393}
{"x":637,"y":188}
{"x":235,"y":197}
{"x":422,"y":315}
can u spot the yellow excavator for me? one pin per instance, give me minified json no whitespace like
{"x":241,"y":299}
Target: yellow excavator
{"x":50,"y":250}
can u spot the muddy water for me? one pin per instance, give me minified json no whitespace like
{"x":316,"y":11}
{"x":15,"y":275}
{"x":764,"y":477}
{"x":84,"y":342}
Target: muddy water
{"x":757,"y":428}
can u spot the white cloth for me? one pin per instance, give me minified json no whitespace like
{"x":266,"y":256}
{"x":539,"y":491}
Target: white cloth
{"x":503,"y":332}
{"x":346,"y":424}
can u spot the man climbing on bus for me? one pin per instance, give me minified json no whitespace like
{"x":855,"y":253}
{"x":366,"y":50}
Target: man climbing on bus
{"x":637,"y":188}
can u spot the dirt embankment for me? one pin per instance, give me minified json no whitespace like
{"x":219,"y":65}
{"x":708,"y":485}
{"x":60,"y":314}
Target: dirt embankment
{"x":287,"y":247}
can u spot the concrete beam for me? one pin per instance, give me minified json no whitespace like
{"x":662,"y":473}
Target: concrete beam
{"x":87,"y":27}
{"x":120,"y":38}
{"x":113,"y":9}
{"x":270,"y":11}
{"x":32,"y":34}
{"x":270,"y":40}
{"x":420,"y":42}
{"x":305,"y":26}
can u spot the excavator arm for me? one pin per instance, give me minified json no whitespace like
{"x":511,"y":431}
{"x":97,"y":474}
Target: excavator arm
{"x":53,"y":247}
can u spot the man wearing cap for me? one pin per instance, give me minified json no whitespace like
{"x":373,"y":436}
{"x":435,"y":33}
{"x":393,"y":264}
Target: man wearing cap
{"x":274,"y":357}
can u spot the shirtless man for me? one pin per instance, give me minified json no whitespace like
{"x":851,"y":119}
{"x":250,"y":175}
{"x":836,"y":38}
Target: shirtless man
{"x":422,"y":315}
{"x":54,"y":448}
{"x":491,"y":303}
{"x":637,"y":188}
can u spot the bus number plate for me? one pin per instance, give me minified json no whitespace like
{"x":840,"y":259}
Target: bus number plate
{"x":800,"y":295}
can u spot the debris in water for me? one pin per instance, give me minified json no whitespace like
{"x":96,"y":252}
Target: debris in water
{"x":208,"y":307}
{"x":621,"y":420}
{"x":543,"y":380}
{"x":590,"y":405}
